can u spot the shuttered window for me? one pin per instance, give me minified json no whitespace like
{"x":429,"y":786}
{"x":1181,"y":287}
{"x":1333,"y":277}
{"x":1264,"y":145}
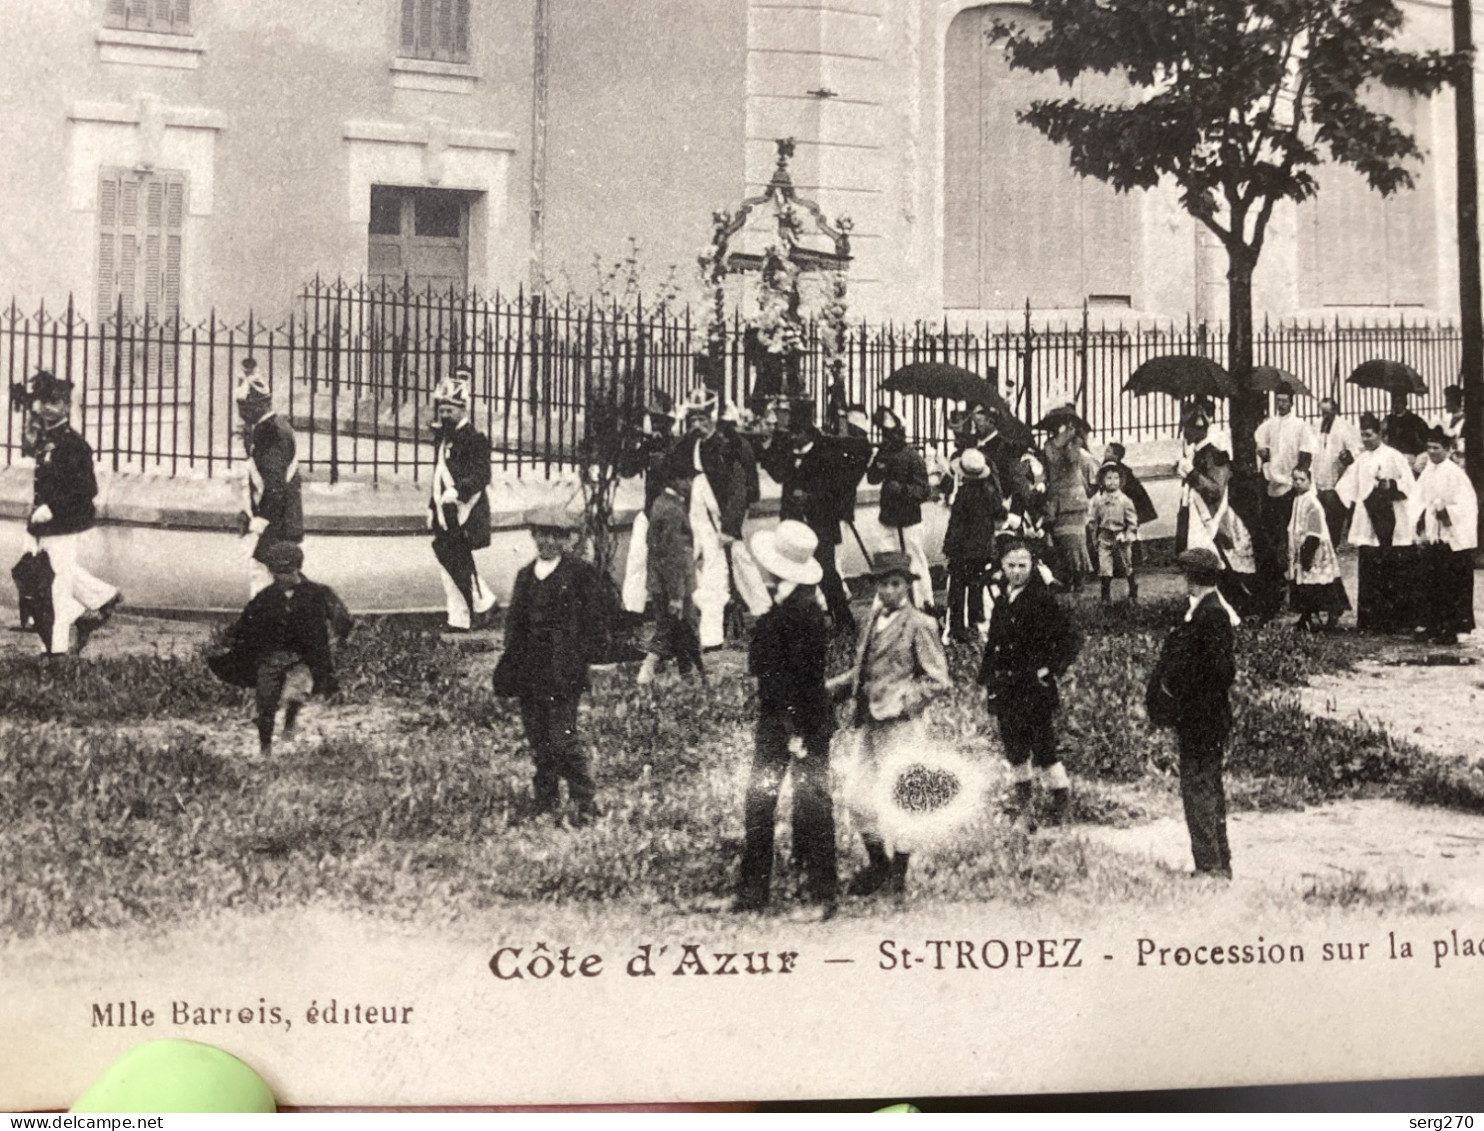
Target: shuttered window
{"x":170,"y":16}
{"x":141,"y":219}
{"x":435,"y":29}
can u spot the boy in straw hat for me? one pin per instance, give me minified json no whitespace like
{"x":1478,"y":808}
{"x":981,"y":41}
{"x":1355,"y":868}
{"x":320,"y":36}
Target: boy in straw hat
{"x":549,"y":642}
{"x":458,"y":507}
{"x":275,"y":504}
{"x":790,"y":646}
{"x":281,"y":645}
{"x":899,"y":667}
{"x":1115,"y":527}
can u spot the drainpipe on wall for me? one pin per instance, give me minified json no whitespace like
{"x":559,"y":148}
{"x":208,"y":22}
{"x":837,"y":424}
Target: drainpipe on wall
{"x":539,"y":65}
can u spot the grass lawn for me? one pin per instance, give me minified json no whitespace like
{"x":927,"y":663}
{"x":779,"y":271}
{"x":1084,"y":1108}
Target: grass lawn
{"x":131,"y":791}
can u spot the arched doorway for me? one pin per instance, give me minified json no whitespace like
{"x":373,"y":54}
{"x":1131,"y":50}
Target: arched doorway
{"x":1018,"y":223}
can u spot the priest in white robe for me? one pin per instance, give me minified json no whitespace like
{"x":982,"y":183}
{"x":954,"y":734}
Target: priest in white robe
{"x":1379,"y":485}
{"x":1445,"y":513}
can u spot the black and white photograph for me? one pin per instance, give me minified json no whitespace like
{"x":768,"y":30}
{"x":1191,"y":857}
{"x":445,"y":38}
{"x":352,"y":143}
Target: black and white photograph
{"x":706,"y":550}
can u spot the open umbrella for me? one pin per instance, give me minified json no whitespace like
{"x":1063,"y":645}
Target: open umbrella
{"x":1393,"y":376}
{"x":1063,"y":414}
{"x":1271,"y":379}
{"x":1181,"y":375}
{"x":942,"y":381}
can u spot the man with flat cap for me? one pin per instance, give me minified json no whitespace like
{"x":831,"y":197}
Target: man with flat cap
{"x":1190,"y":690}
{"x":275,"y":504}
{"x":458,"y":507}
{"x":549,"y":643}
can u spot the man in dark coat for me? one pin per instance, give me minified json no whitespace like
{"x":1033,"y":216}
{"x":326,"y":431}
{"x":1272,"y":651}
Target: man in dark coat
{"x":549,"y":643}
{"x":672,"y":580}
{"x":1403,"y":429}
{"x":275,"y":505}
{"x":1031,"y":645}
{"x":280,"y":645}
{"x":818,"y":478}
{"x":1190,"y":690}
{"x":790,"y":647}
{"x":459,"y":507}
{"x":903,"y":476}
{"x":62,"y":511}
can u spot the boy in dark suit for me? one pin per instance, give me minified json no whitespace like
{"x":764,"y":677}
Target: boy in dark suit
{"x":790,"y":646}
{"x":459,"y":508}
{"x":550,"y":639}
{"x":1031,"y":645}
{"x":281,"y":647}
{"x":1190,"y":690}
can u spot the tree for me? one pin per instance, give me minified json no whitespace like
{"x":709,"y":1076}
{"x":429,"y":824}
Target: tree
{"x":1237,"y":102}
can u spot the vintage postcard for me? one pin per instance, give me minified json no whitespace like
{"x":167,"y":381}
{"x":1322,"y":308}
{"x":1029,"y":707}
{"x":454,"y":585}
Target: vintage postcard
{"x":728,"y":549}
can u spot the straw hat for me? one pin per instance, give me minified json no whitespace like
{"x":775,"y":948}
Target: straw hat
{"x":973,"y":464}
{"x":787,"y":552}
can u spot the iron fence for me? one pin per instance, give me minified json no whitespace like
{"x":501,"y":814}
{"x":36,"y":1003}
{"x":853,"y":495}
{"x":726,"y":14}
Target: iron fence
{"x":353,"y":367}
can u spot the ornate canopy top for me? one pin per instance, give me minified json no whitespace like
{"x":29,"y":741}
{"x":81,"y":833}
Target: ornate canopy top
{"x":800,"y":246}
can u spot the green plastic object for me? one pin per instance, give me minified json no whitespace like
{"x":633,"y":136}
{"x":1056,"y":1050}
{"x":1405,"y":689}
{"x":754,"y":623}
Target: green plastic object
{"x":896,"y":1109}
{"x":177,"y":1076}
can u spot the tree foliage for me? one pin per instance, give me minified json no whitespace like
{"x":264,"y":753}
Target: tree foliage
{"x":1236,"y":101}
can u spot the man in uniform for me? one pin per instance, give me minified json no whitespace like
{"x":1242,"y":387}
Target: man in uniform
{"x":61,"y":512}
{"x":459,"y":508}
{"x":275,"y":505}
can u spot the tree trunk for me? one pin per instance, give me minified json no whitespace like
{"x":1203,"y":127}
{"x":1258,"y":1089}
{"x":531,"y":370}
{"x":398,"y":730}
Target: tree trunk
{"x":1471,"y":371}
{"x":1247,"y":407}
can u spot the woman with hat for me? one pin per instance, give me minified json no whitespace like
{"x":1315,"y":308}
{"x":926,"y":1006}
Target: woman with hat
{"x":968,"y":543}
{"x":1070,"y":471}
{"x":1190,"y":690}
{"x":899,"y":668}
{"x":790,"y":647}
{"x":459,"y":508}
{"x":1031,"y":645}
{"x":549,"y":643}
{"x":902,"y":474}
{"x":1447,"y":524}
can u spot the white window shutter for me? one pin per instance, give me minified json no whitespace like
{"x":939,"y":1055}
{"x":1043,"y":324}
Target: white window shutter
{"x":108,"y":207}
{"x":409,"y":26}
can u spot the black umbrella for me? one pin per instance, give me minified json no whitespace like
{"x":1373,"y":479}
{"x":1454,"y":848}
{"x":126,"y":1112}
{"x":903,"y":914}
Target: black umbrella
{"x":1393,"y":376}
{"x":1271,"y":379}
{"x":941,"y":381}
{"x":1063,"y":414}
{"x":1181,"y":375}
